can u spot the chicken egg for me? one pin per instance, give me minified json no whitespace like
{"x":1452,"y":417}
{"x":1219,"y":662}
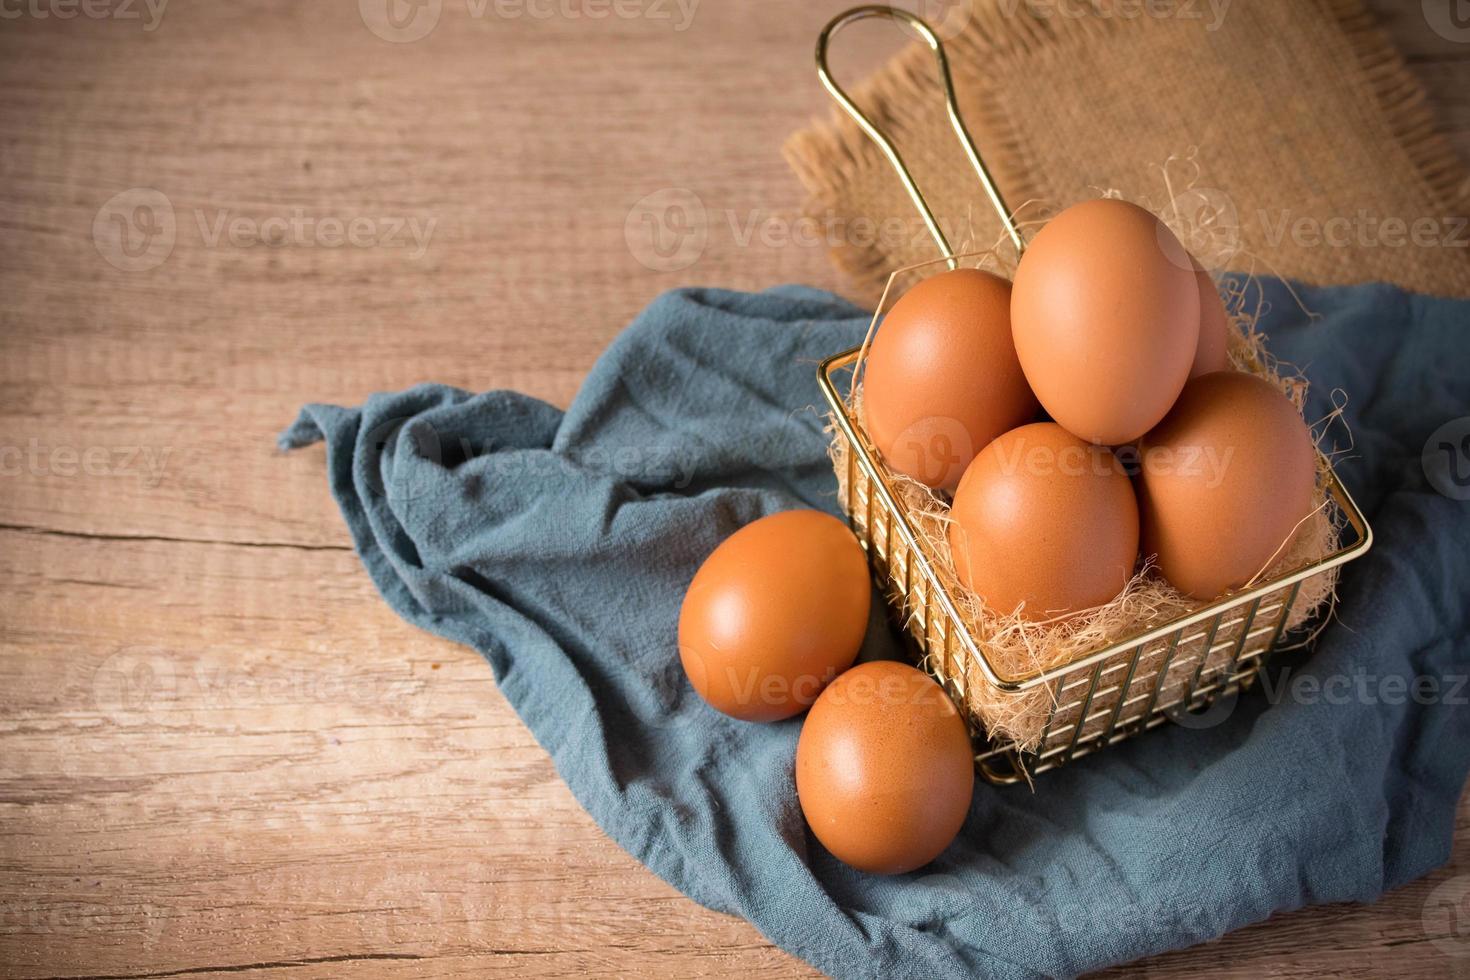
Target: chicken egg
{"x":884,"y":768}
{"x":942,"y":378}
{"x":776,"y":611}
{"x":1214,"y":328}
{"x":1044,"y":522}
{"x":1226,"y":479}
{"x":1105,"y":314}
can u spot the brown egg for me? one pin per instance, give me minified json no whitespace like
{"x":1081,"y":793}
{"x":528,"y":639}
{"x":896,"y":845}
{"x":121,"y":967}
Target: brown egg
{"x":776,"y":611}
{"x":1225,"y":480}
{"x":1212,"y":353}
{"x":1105,"y":315}
{"x":942,"y":378}
{"x":884,"y":768}
{"x":1045,"y":519}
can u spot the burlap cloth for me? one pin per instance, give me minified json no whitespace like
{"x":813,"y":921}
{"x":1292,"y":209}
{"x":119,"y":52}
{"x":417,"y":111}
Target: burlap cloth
{"x":1289,"y":129}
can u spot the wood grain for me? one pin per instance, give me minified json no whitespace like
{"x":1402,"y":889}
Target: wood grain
{"x":219,"y":751}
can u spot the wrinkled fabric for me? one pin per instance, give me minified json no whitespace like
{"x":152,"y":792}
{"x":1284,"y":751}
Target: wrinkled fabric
{"x":559,"y":544}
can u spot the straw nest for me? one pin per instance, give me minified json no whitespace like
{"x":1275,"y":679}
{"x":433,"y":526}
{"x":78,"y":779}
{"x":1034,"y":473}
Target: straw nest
{"x":1018,"y":648}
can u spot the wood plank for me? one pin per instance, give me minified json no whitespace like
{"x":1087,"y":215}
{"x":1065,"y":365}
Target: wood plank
{"x":205,"y":768}
{"x":219,"y":751}
{"x":529,"y":269}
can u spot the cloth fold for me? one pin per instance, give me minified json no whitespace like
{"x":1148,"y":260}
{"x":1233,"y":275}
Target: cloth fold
{"x":559,"y":545}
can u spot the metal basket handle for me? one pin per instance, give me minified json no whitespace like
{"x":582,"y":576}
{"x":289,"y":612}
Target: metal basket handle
{"x":886,"y":145}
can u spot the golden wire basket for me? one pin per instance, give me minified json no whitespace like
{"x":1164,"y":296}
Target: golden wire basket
{"x":1103,"y":697}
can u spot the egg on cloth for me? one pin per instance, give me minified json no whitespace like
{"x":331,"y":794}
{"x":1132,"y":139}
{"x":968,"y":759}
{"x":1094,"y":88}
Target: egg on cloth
{"x":884,"y":768}
{"x":1105,"y":314}
{"x":1046,"y":522}
{"x":1226,"y":480}
{"x":776,"y":612}
{"x":941,"y":378}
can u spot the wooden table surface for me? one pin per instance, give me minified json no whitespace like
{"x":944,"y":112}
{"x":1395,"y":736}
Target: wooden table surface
{"x":220,"y":753}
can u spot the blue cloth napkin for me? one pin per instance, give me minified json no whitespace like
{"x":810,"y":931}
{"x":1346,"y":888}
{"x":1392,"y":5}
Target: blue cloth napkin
{"x":559,"y":545}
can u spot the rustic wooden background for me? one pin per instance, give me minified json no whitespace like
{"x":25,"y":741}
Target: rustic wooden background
{"x":219,"y":751}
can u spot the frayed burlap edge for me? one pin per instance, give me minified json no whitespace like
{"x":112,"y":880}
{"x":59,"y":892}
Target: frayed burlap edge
{"x":828,"y":157}
{"x":1405,"y":104}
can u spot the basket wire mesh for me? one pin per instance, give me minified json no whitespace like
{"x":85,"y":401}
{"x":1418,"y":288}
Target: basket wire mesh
{"x":1103,"y":697}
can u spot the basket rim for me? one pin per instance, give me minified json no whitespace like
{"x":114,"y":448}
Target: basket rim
{"x":866,"y":458}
